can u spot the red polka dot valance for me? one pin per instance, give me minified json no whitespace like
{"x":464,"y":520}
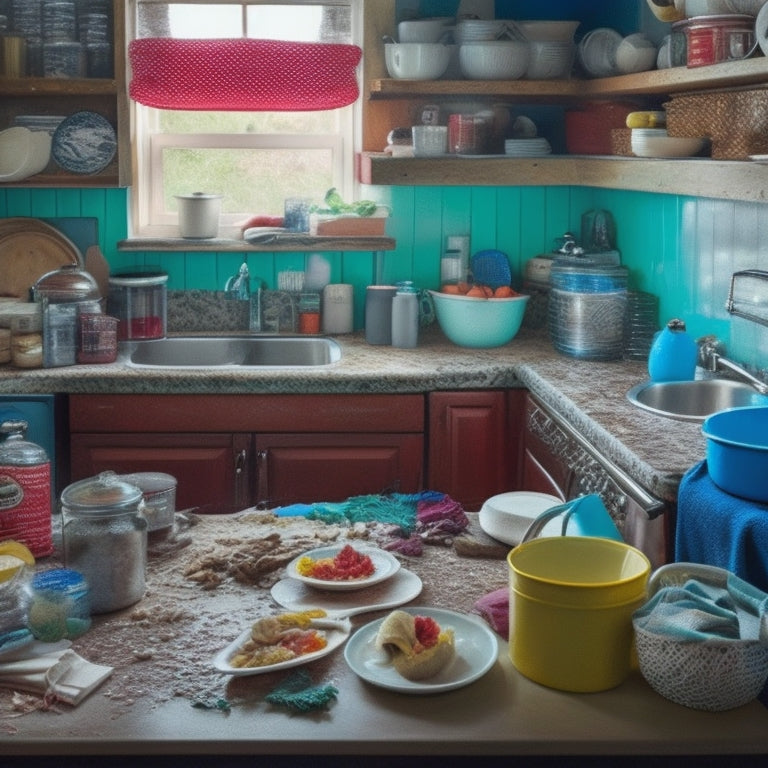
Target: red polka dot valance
{"x":243,"y":74}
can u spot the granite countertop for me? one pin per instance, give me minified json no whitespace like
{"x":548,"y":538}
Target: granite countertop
{"x":199,"y":597}
{"x":591,"y":396}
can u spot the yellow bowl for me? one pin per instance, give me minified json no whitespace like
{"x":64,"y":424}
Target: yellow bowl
{"x":571,"y":600}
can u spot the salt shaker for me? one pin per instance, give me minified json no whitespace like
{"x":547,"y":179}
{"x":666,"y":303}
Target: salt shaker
{"x":405,"y":316}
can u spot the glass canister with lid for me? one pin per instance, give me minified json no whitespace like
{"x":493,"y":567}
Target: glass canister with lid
{"x":105,"y":538}
{"x":587,"y":304}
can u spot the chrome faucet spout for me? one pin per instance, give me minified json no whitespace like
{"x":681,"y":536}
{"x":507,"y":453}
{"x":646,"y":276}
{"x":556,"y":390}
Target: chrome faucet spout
{"x":712,"y":359}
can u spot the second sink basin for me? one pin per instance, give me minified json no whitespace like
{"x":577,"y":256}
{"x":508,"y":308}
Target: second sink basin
{"x":693,"y":400}
{"x":231,"y":351}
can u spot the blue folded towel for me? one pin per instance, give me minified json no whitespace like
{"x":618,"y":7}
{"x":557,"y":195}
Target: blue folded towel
{"x":715,"y":528}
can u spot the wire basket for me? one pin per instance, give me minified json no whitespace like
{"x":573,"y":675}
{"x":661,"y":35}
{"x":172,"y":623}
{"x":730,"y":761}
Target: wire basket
{"x":713,"y":674}
{"x":736,"y":121}
{"x":621,"y":142}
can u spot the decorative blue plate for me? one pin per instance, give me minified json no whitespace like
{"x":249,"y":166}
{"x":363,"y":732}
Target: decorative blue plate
{"x":84,"y":143}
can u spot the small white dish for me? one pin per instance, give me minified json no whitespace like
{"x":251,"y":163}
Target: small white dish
{"x":403,"y":587}
{"x":335,"y":638}
{"x":385,"y":566}
{"x":760,"y":159}
{"x":506,"y":517}
{"x":476,"y":652}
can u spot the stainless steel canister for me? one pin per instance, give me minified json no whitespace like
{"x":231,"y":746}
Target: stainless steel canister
{"x":105,"y":538}
{"x":159,"y":492}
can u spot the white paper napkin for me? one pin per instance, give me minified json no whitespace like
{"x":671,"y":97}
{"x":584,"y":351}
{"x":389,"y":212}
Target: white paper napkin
{"x":53,"y":670}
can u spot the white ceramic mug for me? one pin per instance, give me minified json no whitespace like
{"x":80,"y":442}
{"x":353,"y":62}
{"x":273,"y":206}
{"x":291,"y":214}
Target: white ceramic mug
{"x":416,"y":61}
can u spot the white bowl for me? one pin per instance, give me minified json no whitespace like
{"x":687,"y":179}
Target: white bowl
{"x":494,"y":59}
{"x":655,"y":142}
{"x":597,"y":52}
{"x":549,"y":31}
{"x":749,"y":7}
{"x":424,"y":30}
{"x":475,"y":30}
{"x":706,"y":7}
{"x":416,"y":61}
{"x":550,"y":60}
{"x":23,"y":153}
{"x":635,"y":53}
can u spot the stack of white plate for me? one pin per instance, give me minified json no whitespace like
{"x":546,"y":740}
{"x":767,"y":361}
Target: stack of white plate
{"x":527,"y":147}
{"x":656,"y":142}
{"x":474,"y":30}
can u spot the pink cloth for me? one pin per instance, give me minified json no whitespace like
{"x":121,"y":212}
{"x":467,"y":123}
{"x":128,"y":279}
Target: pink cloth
{"x":243,"y":74}
{"x":494,"y":608}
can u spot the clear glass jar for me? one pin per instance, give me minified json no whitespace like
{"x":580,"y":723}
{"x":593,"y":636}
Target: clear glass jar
{"x":105,"y":538}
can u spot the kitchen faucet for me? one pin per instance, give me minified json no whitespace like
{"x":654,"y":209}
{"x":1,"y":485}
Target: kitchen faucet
{"x":711,"y":358}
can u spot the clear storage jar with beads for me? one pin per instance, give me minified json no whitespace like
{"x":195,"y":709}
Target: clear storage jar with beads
{"x":105,"y":538}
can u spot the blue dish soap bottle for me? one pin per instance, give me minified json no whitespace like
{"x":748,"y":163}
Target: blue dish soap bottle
{"x":673,"y":354}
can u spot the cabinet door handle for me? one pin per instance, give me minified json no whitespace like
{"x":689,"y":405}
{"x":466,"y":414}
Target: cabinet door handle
{"x":262,"y":477}
{"x":241,"y":459}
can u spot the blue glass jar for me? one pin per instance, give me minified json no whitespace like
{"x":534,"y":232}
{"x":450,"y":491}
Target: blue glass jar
{"x":59,"y":605}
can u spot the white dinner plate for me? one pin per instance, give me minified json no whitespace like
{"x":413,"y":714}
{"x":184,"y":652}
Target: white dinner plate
{"x":335,"y":638}
{"x":400,"y":589}
{"x":385,"y":566}
{"x":476,"y":652}
{"x":506,"y":517}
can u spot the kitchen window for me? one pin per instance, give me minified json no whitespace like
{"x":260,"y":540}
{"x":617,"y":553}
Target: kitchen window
{"x":255,"y":159}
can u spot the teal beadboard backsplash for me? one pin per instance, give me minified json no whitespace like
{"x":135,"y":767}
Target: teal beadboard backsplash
{"x":681,"y":249}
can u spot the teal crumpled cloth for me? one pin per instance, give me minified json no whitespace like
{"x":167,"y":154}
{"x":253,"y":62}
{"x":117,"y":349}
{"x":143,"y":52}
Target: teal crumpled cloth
{"x":704,"y":612}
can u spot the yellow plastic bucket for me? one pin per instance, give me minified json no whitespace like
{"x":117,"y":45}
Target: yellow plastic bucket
{"x":571,"y":600}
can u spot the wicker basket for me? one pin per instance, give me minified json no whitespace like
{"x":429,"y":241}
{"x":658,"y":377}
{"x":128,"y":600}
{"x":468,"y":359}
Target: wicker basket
{"x":712,"y":675}
{"x":621,"y":142}
{"x":735,"y":121}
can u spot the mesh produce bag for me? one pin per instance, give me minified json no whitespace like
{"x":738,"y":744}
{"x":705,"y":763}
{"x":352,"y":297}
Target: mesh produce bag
{"x":242,"y":74}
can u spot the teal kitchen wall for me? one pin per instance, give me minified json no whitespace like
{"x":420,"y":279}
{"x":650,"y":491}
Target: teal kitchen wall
{"x":681,"y":249}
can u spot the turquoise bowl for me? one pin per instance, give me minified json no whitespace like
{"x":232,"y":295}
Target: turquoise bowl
{"x":470,"y":321}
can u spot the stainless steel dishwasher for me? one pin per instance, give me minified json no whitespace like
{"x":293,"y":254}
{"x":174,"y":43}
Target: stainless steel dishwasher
{"x":574,"y":467}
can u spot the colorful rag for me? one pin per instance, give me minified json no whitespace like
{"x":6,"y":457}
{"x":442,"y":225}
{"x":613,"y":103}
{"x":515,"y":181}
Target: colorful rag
{"x":399,"y":509}
{"x":297,"y":692}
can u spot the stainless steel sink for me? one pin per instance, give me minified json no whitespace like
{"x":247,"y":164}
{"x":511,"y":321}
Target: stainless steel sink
{"x":231,"y":352}
{"x":693,"y":400}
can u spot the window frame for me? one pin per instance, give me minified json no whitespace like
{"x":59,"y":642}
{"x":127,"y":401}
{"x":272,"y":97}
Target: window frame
{"x":147,"y":214}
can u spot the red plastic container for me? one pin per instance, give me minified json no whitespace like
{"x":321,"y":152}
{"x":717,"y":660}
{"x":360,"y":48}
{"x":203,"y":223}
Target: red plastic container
{"x":713,"y":39}
{"x":588,"y":130}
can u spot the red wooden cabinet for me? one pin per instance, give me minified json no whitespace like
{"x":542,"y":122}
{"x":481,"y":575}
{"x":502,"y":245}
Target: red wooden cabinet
{"x":234,"y":451}
{"x":475,"y":438}
{"x":331,"y":467}
{"x":212,"y":470}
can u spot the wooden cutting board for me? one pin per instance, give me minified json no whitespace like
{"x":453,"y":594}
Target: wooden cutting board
{"x":96,"y":266}
{"x":29,"y":248}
